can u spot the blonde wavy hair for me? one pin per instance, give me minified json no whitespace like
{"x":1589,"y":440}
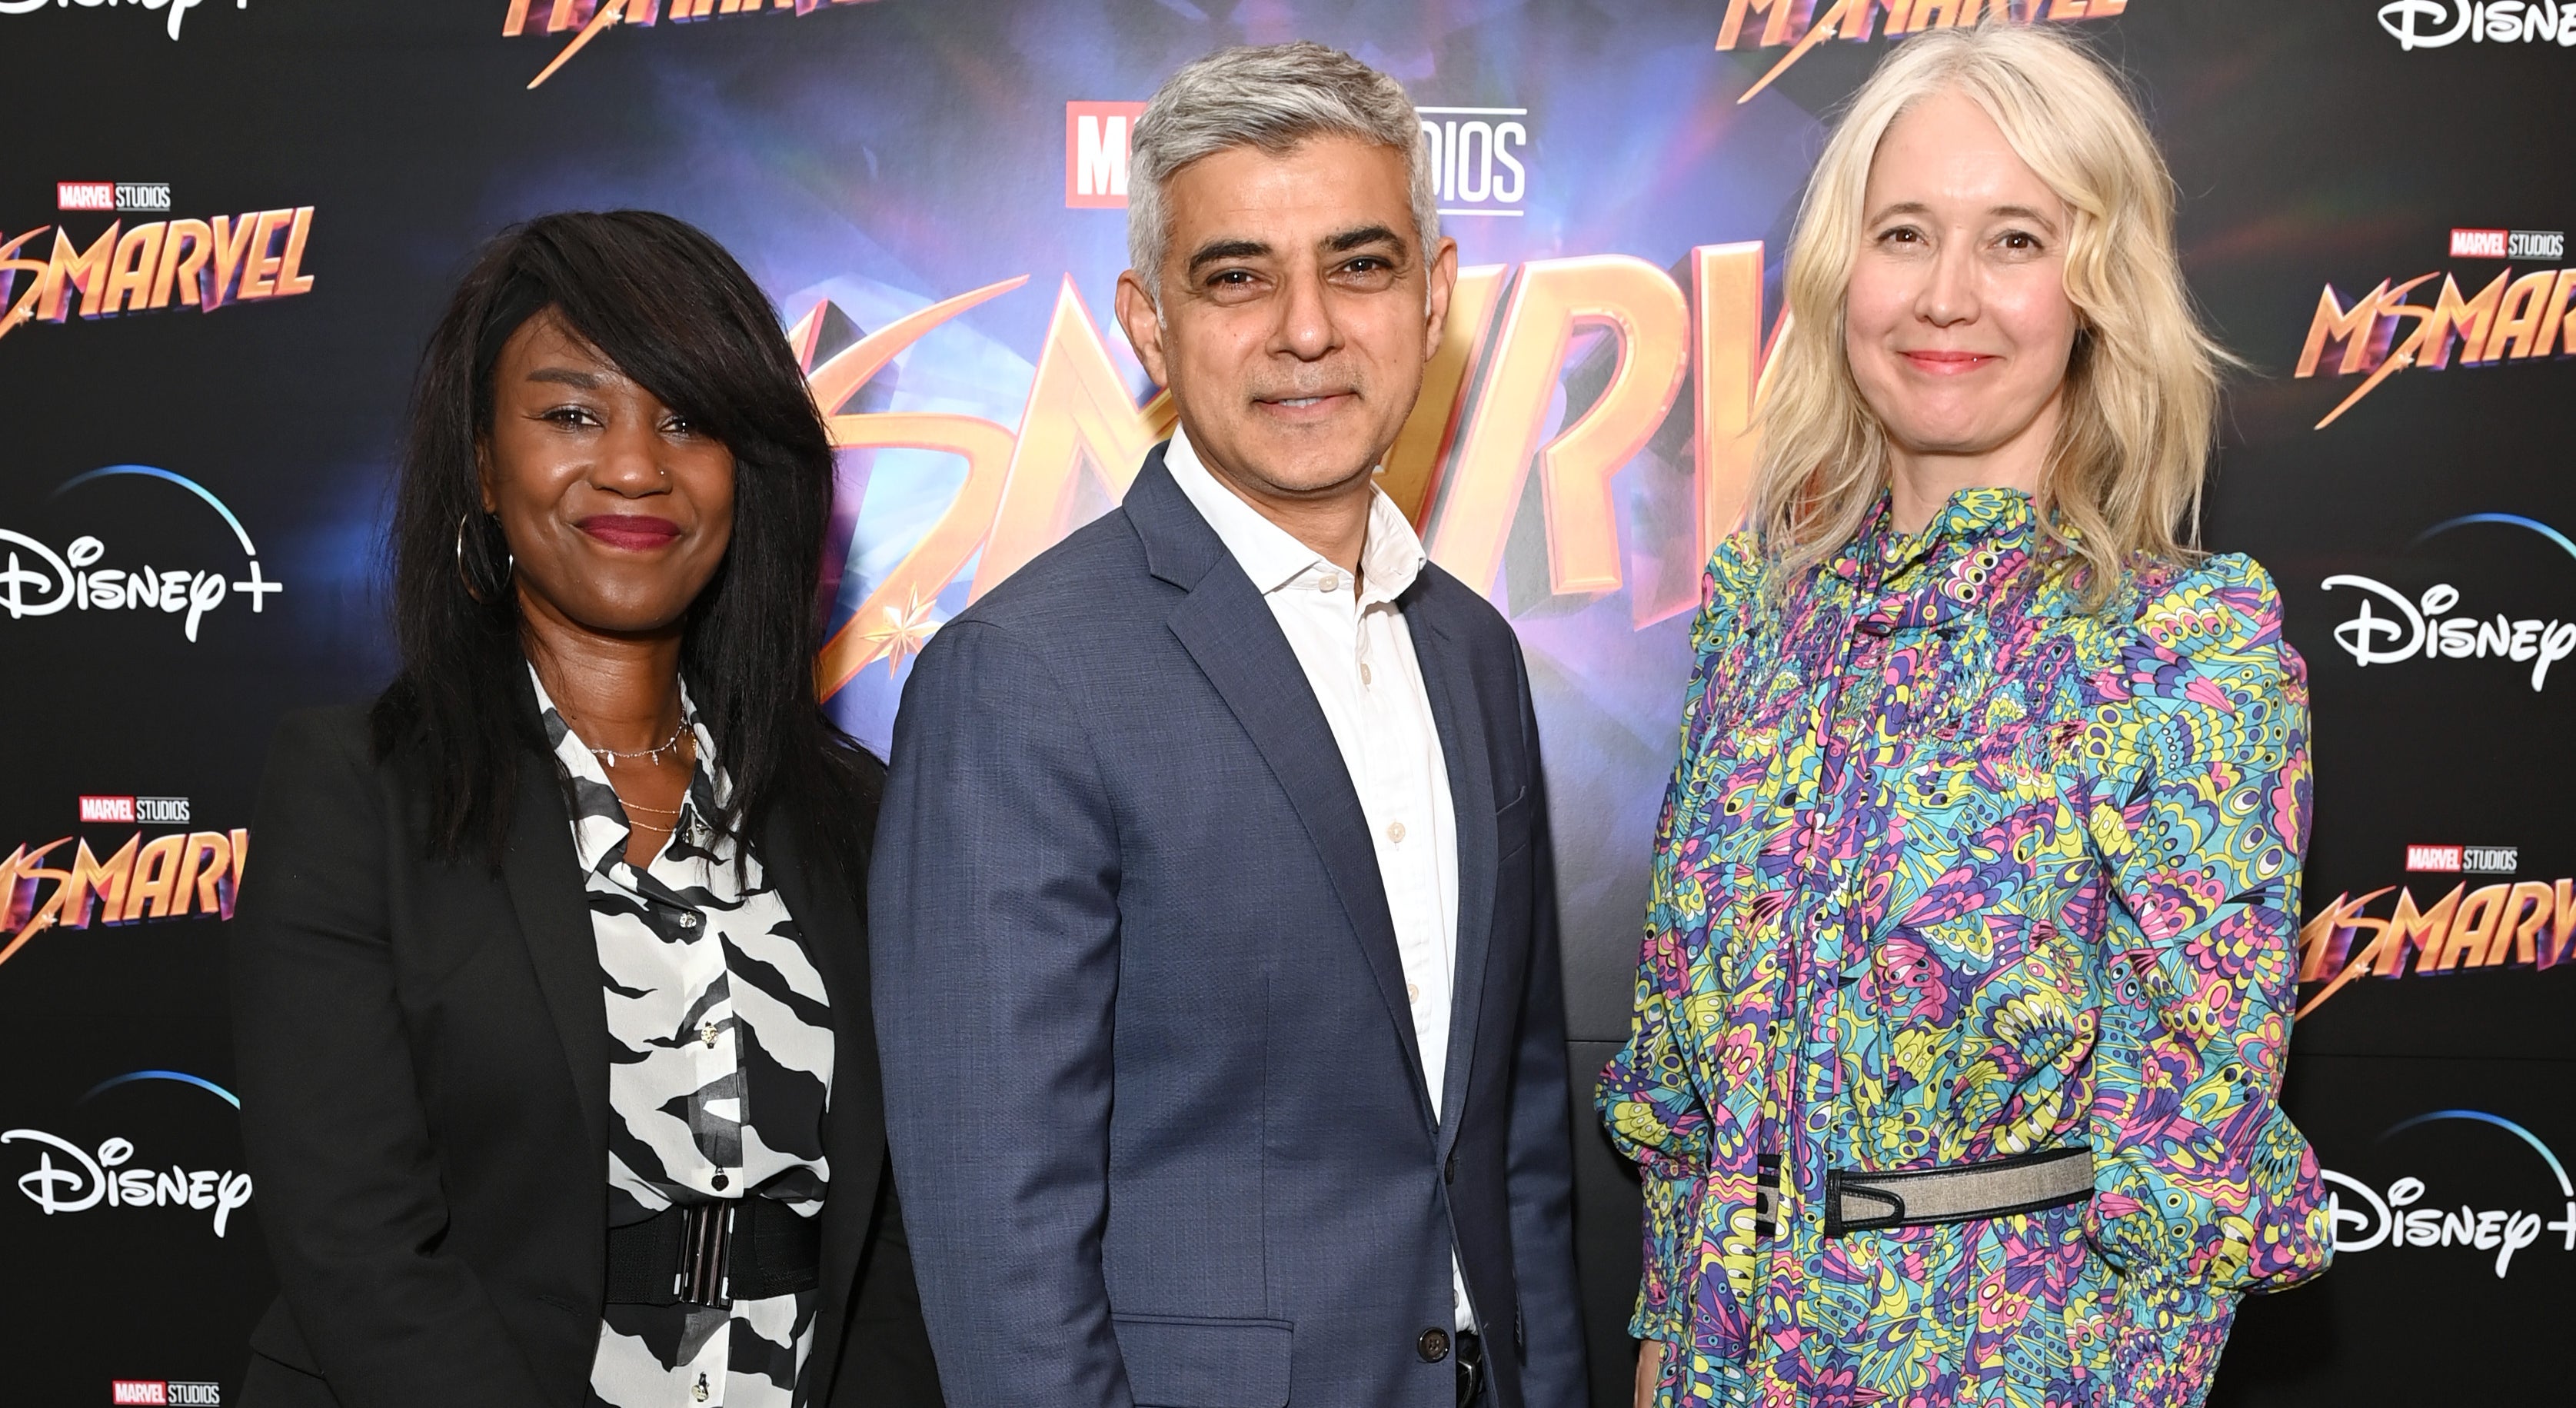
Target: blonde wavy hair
{"x":2122,"y":479}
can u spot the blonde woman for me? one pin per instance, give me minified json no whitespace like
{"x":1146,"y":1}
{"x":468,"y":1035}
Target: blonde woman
{"x":1956,"y":1059}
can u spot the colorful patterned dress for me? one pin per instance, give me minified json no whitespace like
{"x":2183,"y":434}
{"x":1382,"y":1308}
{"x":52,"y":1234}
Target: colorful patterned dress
{"x":1953,"y":870}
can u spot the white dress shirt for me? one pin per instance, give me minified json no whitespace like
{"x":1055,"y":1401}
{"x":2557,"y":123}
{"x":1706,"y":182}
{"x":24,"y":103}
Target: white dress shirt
{"x":1352,"y":643}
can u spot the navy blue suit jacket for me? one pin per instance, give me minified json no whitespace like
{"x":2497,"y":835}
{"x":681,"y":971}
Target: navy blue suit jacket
{"x":1150,"y":1071}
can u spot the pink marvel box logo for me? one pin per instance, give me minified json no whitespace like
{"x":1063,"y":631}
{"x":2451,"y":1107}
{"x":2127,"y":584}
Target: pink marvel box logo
{"x":170,"y":1393}
{"x":109,"y":809}
{"x":1095,"y":153}
{"x":2477,"y":244}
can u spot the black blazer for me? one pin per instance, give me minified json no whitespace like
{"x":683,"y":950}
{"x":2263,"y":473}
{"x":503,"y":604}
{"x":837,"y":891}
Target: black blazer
{"x":423,"y":1060}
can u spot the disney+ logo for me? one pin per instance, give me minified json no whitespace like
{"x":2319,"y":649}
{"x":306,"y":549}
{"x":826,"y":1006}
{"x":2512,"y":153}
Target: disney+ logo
{"x":70,"y":1178}
{"x":2366,"y":1219}
{"x":2437,"y":24}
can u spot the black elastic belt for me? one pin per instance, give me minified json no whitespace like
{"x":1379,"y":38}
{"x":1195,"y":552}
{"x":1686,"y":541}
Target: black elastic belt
{"x":1471,"y":1368}
{"x":1860,"y":1201}
{"x":715,"y":1254}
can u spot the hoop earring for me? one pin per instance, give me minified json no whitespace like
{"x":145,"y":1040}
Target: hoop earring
{"x":466,"y":573}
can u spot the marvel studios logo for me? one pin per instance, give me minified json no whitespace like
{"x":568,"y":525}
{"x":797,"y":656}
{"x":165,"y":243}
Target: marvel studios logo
{"x":2465,"y":860}
{"x":1096,"y":135}
{"x":2508,"y":244}
{"x":137,"y":811}
{"x":1477,"y":156}
{"x":112,"y":195}
{"x":165,"y":1391}
{"x":1476,"y":159}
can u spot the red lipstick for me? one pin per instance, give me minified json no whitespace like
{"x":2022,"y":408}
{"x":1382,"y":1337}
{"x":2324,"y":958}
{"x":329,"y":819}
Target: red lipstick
{"x":633,"y":532}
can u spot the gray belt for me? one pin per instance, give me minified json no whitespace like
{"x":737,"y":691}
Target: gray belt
{"x":1860,"y":1201}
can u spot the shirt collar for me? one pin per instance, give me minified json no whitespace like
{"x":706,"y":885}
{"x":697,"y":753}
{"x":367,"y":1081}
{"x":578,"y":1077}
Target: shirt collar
{"x":1391,"y":555}
{"x":599,"y":825}
{"x":1970,"y":516}
{"x":1981,"y":537}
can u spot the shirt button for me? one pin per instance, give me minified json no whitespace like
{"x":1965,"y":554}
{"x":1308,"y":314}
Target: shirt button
{"x":707,"y":1033}
{"x":1395,"y":832}
{"x":1364,"y":675}
{"x":1329,"y":583}
{"x":1413,"y":992}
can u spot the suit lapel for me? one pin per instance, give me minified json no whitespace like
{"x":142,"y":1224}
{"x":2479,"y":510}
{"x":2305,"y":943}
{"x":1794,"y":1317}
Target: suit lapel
{"x":1228,"y":629}
{"x":1452,"y":694}
{"x":544,"y":878}
{"x":1230,"y":632}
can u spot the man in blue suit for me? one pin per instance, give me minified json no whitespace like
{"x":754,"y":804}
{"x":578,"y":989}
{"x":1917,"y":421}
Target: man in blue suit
{"x":1213,"y":919}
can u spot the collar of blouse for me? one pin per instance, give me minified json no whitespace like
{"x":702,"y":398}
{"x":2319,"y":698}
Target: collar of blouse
{"x":1979,"y":539}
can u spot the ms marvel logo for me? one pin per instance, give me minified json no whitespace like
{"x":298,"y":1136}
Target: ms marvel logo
{"x":2521,"y":924}
{"x":584,"y":19}
{"x":2384,"y":331}
{"x":1478,"y":435}
{"x":167,"y":877}
{"x":205,"y":265}
{"x":1804,"y":24}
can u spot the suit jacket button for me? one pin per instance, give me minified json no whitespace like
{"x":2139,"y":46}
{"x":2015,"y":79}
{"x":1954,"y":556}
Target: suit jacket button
{"x":1450,"y":1174}
{"x":1433,"y":1346}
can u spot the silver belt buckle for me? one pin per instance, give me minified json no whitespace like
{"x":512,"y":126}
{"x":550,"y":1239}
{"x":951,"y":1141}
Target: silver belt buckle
{"x":1857,"y":1200}
{"x":706,"y":1235}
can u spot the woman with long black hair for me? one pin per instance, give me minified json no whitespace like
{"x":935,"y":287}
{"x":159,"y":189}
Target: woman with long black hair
{"x":558,"y":1077}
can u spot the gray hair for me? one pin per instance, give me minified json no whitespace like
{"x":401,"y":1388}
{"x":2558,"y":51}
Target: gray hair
{"x":1275,"y":97}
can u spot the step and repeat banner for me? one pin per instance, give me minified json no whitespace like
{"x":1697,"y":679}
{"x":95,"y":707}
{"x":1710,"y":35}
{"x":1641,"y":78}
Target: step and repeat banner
{"x":229,"y":224}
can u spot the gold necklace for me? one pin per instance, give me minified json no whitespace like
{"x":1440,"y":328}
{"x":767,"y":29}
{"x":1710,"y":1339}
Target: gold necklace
{"x":608,"y":756}
{"x":631,"y":807}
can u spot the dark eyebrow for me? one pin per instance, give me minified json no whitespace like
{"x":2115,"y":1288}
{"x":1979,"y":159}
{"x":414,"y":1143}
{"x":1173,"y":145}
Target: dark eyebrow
{"x":587,"y":381}
{"x":1215,"y":250}
{"x":1349,"y":240}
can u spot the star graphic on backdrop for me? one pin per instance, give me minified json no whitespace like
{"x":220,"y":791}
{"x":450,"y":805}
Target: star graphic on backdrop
{"x":906,"y":630}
